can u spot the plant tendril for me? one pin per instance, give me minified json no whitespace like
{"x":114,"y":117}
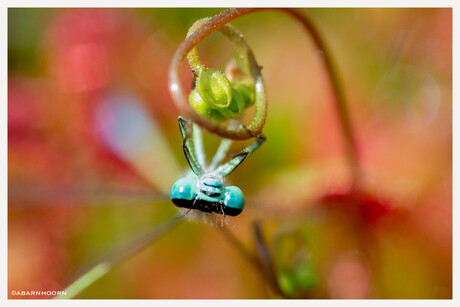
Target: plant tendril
{"x":188,"y":49}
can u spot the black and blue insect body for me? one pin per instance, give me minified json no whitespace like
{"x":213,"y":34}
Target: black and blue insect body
{"x":204,"y":188}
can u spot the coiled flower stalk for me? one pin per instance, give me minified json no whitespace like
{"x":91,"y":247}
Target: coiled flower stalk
{"x":216,"y":95}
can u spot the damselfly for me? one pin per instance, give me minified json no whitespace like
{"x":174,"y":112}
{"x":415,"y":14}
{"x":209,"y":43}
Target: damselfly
{"x":204,"y":188}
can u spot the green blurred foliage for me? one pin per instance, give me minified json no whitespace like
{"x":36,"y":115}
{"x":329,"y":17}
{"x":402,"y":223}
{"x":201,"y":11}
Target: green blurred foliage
{"x":25,"y":39}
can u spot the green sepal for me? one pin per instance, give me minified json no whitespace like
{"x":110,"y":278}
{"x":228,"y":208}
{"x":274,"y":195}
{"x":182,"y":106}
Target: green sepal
{"x":197,"y":103}
{"x":215,"y":89}
{"x":246,"y":90}
{"x":236,"y":107}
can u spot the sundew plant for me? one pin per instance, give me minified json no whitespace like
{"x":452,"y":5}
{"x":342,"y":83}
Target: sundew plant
{"x":239,"y":153}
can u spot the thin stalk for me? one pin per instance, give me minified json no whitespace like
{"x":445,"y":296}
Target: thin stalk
{"x":265,"y":256}
{"x":117,"y":256}
{"x":221,"y":153}
{"x":192,"y":56}
{"x":339,"y":99}
{"x":23,"y":196}
{"x":217,"y":22}
{"x":252,"y":259}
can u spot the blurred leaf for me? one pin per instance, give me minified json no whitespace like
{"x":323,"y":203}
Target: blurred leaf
{"x":25,"y":38}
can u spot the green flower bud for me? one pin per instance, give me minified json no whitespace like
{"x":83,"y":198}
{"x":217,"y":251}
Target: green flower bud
{"x":287,"y":283}
{"x":215,"y":89}
{"x":236,"y":106}
{"x":300,"y":279}
{"x":246,"y":90}
{"x":305,"y":276}
{"x":197,"y":103}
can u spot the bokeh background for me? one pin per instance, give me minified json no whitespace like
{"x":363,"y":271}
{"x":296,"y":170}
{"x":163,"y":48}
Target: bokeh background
{"x":94,"y":146}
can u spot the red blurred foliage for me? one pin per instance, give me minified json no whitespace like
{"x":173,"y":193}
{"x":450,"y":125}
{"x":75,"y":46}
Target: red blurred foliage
{"x":23,"y":108}
{"x":52,"y":142}
{"x":85,"y":44}
{"x":369,"y":208}
{"x":91,"y":52}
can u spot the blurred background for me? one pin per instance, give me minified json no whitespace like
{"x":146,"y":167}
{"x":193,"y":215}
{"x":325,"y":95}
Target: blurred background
{"x":94,"y":147}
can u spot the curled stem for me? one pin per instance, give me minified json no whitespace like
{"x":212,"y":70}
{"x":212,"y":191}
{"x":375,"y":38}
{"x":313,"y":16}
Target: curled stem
{"x":188,"y":48}
{"x":192,"y":56}
{"x":241,"y":133}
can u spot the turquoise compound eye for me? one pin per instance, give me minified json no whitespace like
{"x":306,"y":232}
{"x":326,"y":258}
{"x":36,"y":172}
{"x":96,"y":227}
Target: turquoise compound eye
{"x":183,"y":192}
{"x":233,"y":201}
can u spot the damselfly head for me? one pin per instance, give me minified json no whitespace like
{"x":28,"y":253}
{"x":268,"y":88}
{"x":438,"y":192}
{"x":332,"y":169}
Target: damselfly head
{"x":207,"y":194}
